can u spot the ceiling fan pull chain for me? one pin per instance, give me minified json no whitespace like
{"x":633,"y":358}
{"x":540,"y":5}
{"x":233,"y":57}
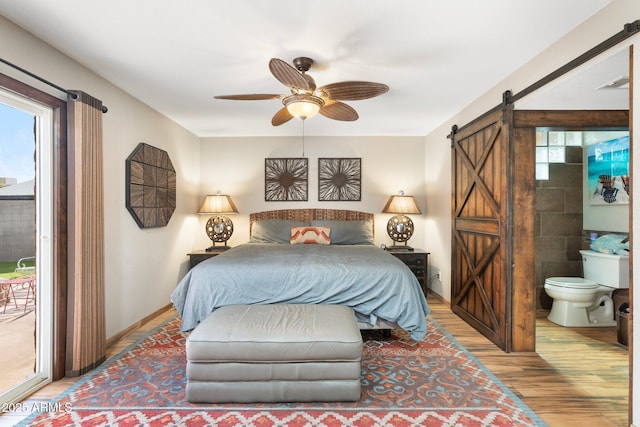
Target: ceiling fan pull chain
{"x":302,"y":138}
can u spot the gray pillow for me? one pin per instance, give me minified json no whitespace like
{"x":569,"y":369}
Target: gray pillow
{"x":273,"y":230}
{"x":348,"y":232}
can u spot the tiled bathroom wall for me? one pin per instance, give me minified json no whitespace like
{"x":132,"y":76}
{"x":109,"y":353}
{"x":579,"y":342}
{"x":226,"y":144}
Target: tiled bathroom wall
{"x":559,"y":233}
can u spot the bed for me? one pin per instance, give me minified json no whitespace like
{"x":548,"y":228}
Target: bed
{"x":278,"y":265}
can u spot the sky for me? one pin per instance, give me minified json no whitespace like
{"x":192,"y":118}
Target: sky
{"x":16,"y":144}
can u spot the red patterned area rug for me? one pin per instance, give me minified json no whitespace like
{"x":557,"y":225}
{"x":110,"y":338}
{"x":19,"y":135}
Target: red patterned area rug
{"x":435,"y":382}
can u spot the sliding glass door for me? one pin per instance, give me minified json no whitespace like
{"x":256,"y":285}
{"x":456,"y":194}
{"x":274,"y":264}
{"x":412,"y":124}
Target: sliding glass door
{"x":26,"y":245}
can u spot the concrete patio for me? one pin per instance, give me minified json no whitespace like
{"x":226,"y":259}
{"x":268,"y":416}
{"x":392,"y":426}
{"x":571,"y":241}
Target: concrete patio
{"x":17,"y":335}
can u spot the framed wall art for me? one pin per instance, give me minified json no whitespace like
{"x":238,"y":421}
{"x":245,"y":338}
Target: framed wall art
{"x":608,"y":168}
{"x":339,"y":179}
{"x":286,"y":179}
{"x":151,"y":186}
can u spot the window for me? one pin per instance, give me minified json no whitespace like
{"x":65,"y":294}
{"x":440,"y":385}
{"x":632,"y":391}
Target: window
{"x":550,"y":148}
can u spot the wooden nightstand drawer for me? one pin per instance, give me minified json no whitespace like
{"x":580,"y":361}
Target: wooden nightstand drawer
{"x":417,"y":261}
{"x":419,"y":272}
{"x":412,"y":259}
{"x":196,"y":257}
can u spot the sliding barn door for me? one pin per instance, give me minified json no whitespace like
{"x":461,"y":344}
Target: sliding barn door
{"x":481,"y":279}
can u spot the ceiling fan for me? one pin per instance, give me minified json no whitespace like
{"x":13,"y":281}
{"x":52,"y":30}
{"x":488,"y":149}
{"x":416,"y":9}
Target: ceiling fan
{"x":306,"y":99}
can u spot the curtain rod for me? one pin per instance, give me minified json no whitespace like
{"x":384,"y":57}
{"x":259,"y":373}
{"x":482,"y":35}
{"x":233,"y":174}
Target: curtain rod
{"x":70,"y":93}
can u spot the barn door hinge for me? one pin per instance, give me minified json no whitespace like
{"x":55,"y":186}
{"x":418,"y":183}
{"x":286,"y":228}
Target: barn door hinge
{"x":506,"y":101}
{"x":454,"y":129}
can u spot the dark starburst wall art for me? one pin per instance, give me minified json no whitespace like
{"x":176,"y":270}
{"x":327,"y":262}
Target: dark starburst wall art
{"x":286,"y":179}
{"x":339,"y":179}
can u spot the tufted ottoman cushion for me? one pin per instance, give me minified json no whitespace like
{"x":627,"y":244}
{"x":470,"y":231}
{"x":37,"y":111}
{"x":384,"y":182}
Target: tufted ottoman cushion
{"x":275,"y":353}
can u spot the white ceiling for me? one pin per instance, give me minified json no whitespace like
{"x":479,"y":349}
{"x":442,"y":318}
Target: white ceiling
{"x":436,"y":57}
{"x":585,"y":87}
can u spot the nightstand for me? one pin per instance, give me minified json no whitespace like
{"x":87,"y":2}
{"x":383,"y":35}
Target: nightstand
{"x":417,"y":261}
{"x":196,"y":257}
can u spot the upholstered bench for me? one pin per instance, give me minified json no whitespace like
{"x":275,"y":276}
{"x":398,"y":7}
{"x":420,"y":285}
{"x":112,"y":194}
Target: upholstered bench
{"x":275,"y":353}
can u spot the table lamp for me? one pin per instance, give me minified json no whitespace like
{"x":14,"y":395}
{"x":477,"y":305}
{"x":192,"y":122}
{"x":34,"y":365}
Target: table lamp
{"x":219,"y":228}
{"x":400,"y":226}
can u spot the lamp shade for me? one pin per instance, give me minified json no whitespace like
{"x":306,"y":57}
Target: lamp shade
{"x":401,"y":204}
{"x":217,"y":204}
{"x":303,"y":106}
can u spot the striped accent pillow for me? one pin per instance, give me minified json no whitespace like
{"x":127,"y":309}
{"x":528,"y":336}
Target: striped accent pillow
{"x":311,"y":235}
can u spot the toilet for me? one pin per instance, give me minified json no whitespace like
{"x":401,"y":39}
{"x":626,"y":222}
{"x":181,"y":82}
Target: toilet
{"x":584,"y":302}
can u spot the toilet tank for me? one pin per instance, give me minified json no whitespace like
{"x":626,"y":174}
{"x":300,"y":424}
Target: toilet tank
{"x":606,"y":269}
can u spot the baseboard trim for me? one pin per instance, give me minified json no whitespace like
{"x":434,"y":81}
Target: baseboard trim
{"x":439,"y":297}
{"x":117,"y":337}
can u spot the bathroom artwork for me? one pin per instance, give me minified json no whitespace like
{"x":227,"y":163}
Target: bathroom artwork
{"x":608,"y":167}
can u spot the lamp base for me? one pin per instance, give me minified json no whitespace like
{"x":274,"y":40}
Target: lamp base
{"x":399,"y":248}
{"x":219,"y":228}
{"x":400,"y":229}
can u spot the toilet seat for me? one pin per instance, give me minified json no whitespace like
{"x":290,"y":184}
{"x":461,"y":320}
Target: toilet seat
{"x":572,"y":282}
{"x":587,"y":301}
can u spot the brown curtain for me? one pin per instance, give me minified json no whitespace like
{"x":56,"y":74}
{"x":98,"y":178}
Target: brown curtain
{"x":86,"y":335}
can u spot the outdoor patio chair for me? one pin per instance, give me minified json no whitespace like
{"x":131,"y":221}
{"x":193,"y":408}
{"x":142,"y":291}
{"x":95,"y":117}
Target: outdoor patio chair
{"x":23,"y":269}
{"x":27,"y":283}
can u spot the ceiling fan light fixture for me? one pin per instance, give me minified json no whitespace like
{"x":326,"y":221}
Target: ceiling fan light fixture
{"x":306,"y":99}
{"x":303,"y":105}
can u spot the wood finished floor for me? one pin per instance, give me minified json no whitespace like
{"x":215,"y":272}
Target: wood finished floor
{"x":576,"y":377}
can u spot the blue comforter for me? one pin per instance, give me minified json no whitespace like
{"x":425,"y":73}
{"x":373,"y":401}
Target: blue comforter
{"x":371,"y":281}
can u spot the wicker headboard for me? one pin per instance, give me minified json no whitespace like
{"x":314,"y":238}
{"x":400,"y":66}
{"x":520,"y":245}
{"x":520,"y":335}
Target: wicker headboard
{"x":310,"y":215}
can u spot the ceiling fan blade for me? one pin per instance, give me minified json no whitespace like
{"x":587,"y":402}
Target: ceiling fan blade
{"x":287,"y":75}
{"x":354,"y":90}
{"x":338,"y":111}
{"x":281,"y":117}
{"x":251,"y":97}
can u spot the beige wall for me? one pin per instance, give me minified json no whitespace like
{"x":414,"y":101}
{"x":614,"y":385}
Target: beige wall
{"x":235,"y":166}
{"x":142,"y":266}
